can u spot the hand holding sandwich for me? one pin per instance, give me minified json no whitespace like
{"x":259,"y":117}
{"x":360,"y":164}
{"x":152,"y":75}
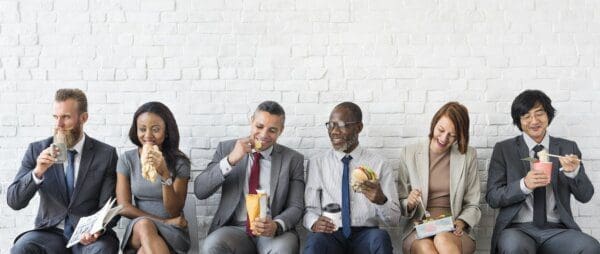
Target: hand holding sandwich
{"x":365,"y":180}
{"x":372,"y":190}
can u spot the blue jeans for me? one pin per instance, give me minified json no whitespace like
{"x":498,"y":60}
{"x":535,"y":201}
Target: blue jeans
{"x":362,"y":240}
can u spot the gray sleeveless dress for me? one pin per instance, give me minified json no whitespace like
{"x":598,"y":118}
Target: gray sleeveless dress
{"x":147,"y":196}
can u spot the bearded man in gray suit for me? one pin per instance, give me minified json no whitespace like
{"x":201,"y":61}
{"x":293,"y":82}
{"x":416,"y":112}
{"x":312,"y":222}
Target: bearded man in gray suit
{"x":535,"y":211}
{"x":245,"y":165}
{"x":79,"y":187}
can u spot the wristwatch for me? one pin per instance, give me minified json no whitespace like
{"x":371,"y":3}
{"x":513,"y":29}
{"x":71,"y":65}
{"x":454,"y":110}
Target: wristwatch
{"x":167,"y":182}
{"x":279,"y":229}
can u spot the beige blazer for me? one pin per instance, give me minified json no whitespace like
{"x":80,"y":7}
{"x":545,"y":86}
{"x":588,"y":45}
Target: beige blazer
{"x":464,"y":184}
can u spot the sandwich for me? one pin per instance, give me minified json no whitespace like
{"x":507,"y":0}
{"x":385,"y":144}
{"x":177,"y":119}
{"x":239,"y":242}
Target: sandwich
{"x":361,"y":174}
{"x":148,"y":169}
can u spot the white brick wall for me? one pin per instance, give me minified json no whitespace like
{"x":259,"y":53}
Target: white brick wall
{"x":213,"y":61}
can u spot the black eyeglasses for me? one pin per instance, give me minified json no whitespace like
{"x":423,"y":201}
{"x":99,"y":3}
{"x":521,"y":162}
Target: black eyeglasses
{"x":341,"y":125}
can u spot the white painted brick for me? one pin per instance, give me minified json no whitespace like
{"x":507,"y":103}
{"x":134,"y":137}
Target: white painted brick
{"x":172,"y":74}
{"x":213,"y":61}
{"x":386,"y":108}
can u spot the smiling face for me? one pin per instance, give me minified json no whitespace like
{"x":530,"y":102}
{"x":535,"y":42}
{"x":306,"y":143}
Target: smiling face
{"x":150,"y":129}
{"x":444,"y":135}
{"x":343,"y":139}
{"x":68,"y":121}
{"x":266,"y":128}
{"x":535,"y":122}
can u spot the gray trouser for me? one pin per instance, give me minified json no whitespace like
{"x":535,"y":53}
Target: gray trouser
{"x":231,"y":239}
{"x":526,"y":238}
{"x":52,"y":241}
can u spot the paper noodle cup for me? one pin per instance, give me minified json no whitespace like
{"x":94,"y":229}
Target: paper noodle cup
{"x":546,"y":167}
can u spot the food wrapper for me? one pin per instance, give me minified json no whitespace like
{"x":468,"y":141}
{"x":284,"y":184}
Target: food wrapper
{"x":256,"y":206}
{"x":433,"y":226}
{"x":148,"y":170}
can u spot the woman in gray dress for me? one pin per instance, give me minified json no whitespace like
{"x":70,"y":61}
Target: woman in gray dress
{"x":155,"y":208}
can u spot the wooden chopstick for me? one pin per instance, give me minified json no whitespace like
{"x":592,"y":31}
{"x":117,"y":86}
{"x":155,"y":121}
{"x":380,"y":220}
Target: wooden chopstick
{"x":558,"y":156}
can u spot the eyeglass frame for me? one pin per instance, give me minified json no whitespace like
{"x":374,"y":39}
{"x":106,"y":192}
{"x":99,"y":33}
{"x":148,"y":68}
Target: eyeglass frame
{"x":537,"y":115}
{"x":343,"y":126}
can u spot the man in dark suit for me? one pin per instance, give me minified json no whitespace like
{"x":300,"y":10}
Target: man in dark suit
{"x":78,"y":187}
{"x":535,"y":211}
{"x":243,"y":166}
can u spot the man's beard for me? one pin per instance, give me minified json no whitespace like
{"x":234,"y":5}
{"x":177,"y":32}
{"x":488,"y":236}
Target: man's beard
{"x":343,"y":148}
{"x":70,"y":136}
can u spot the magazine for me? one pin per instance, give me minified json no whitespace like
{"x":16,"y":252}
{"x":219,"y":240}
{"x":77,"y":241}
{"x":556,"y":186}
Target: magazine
{"x":95,"y":222}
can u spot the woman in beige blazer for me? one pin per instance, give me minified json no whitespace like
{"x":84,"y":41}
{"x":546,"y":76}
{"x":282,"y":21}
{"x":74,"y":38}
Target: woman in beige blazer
{"x":441,"y":172}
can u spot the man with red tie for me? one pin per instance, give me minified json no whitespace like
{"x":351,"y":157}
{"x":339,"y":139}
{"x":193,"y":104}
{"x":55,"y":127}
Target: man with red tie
{"x":243,"y":166}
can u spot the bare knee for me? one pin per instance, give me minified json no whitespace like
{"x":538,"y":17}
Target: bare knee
{"x":446,"y":241}
{"x":144,"y":228}
{"x":423,"y":246}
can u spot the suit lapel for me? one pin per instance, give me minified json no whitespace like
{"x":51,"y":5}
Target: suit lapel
{"x":87,"y":155}
{"x":522,"y":152}
{"x":276,"y":161}
{"x":457,"y":169}
{"x":59,"y":175}
{"x":423,"y":171}
{"x":242,"y":172}
{"x":56,"y":171}
{"x":554,"y":149}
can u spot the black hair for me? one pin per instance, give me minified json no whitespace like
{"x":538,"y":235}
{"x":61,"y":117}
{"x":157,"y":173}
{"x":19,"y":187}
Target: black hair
{"x":272,"y":108}
{"x":354,"y":109}
{"x":170,"y":146}
{"x":528,"y":99}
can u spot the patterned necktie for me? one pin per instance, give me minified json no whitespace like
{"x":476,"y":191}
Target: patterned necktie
{"x":253,"y":184}
{"x":539,"y":198}
{"x":346,"y":220}
{"x":70,"y":180}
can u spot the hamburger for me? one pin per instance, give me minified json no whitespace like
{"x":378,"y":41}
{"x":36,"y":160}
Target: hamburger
{"x":361,"y":174}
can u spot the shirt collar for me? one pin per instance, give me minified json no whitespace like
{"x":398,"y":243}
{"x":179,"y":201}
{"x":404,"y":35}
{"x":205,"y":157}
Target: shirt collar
{"x":531,"y":143}
{"x":79,"y":146}
{"x":355,"y":153}
{"x":266,"y":154}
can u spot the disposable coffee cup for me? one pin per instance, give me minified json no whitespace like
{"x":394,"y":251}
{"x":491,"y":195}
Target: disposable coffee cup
{"x":334,"y":212}
{"x":59,"y":152}
{"x":545,"y":167}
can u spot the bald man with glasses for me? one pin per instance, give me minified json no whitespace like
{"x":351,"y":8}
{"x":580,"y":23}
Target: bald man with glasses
{"x":329,"y":183}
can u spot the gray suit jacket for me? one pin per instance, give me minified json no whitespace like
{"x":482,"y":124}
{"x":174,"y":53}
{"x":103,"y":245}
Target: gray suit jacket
{"x":464,"y":184}
{"x":287,"y":185}
{"x":95,"y":184}
{"x":506,"y":170}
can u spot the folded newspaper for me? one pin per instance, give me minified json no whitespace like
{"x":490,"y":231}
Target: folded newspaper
{"x":95,"y":222}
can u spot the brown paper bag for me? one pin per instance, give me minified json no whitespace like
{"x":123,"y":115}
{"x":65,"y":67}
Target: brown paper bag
{"x":253,"y":207}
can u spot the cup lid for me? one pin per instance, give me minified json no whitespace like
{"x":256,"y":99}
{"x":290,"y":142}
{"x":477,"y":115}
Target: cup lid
{"x":332,"y":208}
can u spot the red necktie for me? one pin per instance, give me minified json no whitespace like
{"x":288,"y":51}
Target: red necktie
{"x":254,"y":174}
{"x":253,"y":183}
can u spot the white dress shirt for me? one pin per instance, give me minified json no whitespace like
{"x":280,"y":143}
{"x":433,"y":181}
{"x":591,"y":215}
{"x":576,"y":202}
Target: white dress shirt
{"x":324,"y":187}
{"x":264,"y":181}
{"x":79,"y":148}
{"x":526,"y":212}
